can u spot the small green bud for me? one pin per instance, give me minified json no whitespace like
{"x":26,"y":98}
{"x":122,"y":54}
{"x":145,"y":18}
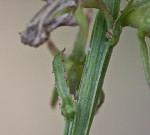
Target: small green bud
{"x":139,"y":17}
{"x":68,"y":110}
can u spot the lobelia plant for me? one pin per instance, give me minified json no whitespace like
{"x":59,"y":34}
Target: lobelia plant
{"x":79,"y":77}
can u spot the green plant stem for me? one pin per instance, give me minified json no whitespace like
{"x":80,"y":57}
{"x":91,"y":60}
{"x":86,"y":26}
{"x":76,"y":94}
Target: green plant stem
{"x":68,"y":126}
{"x":144,"y":55}
{"x":94,"y":73}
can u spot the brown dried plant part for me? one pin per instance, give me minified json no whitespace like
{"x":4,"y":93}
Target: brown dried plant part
{"x":44,"y":22}
{"x":52,"y":47}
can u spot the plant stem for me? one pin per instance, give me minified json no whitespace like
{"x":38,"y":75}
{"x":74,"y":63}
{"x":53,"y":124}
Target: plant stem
{"x":94,"y":73}
{"x":144,"y":55}
{"x":68,"y":126}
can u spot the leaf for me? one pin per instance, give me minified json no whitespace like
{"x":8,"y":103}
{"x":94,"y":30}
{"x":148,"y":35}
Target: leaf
{"x":93,"y":74}
{"x":68,"y":105}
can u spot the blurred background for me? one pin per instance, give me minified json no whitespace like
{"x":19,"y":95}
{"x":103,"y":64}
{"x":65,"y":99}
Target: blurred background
{"x":26,"y":81}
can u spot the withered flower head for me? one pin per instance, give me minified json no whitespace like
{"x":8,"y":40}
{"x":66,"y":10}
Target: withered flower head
{"x":53,"y":14}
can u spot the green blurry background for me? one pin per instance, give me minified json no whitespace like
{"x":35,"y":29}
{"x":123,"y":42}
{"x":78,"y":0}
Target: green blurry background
{"x":26,"y":81}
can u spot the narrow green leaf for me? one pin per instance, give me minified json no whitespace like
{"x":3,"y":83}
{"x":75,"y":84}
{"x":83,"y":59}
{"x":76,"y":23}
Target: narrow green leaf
{"x":54,"y":98}
{"x":96,"y":63}
{"x":68,"y":106}
{"x":101,"y":99}
{"x":94,"y":74}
